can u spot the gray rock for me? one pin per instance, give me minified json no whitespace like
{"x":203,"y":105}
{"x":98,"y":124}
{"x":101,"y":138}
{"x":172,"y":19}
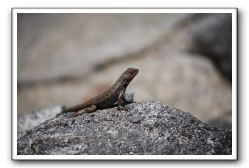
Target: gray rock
{"x":147,"y":128}
{"x":28,"y":121}
{"x":213,"y":38}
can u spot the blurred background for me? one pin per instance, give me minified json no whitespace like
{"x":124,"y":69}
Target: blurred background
{"x":184,"y":60}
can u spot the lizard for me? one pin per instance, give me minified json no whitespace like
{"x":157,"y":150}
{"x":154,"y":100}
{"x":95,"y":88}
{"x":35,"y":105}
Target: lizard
{"x":114,"y":95}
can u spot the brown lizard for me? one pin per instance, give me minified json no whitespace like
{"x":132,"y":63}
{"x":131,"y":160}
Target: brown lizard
{"x":107,"y":99}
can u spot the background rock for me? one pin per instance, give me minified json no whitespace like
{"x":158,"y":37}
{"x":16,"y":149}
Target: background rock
{"x":73,"y":44}
{"x":147,"y":128}
{"x":213,"y":38}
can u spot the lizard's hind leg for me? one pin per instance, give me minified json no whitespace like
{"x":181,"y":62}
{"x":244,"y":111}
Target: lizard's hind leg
{"x":89,"y":109}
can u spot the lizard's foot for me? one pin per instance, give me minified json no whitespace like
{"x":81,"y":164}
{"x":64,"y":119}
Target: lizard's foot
{"x":75,"y":114}
{"x":89,"y":109}
{"x":123,"y":108}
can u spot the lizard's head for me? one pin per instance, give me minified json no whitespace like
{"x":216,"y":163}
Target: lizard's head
{"x":132,"y":72}
{"x":128,"y":75}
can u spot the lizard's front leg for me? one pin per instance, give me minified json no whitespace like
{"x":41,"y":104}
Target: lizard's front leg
{"x":121,"y":100}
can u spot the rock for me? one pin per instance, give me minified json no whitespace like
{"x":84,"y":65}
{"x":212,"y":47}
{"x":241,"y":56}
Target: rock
{"x":29,"y":121}
{"x":213,"y":38}
{"x":71,"y":45}
{"x":147,"y":128}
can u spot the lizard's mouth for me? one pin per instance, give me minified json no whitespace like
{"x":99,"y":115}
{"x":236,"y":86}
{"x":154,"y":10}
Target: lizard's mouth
{"x":135,"y":72}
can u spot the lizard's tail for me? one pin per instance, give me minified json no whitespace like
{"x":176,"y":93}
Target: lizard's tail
{"x":65,"y":110}
{"x":73,"y":109}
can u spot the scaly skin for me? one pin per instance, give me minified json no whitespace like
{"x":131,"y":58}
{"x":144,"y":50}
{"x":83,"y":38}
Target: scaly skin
{"x":107,"y":99}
